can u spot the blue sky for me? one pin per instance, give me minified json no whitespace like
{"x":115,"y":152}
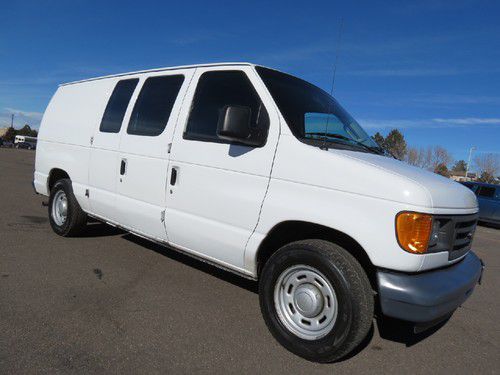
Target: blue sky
{"x":430,"y":68}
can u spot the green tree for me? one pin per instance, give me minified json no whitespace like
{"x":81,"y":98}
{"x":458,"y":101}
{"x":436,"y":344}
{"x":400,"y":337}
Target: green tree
{"x":10,"y":135}
{"x":442,"y":170}
{"x":489,"y":166}
{"x":26,"y":130}
{"x":379,"y":138}
{"x":395,"y":143}
{"x":487,"y":177}
{"x":459,"y":167}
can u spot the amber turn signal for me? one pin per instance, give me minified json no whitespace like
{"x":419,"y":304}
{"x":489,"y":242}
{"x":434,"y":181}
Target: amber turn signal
{"x":413,"y":231}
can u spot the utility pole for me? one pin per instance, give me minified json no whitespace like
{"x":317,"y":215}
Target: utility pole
{"x":468,"y":163}
{"x":12,"y":120}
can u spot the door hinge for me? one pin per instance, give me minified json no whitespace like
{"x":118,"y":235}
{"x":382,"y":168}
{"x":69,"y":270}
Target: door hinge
{"x":169,"y":147}
{"x":92,"y":140}
{"x":162,"y":216}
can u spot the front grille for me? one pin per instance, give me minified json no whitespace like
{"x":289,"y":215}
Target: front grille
{"x":463,"y":234}
{"x":455,"y":234}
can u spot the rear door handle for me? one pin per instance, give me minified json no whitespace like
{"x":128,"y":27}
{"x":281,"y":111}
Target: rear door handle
{"x":123,"y":167}
{"x":173,"y":176}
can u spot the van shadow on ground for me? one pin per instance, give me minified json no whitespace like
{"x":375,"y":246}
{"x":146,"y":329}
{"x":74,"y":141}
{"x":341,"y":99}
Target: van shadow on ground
{"x":98,"y":229}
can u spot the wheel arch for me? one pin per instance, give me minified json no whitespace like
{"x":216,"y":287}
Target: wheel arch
{"x":291,"y":231}
{"x":55,"y":175}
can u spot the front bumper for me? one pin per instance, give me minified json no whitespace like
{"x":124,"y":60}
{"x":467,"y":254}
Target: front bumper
{"x":431,"y":295}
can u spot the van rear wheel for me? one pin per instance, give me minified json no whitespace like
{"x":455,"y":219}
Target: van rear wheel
{"x":316,"y":300}
{"x":66,"y":217}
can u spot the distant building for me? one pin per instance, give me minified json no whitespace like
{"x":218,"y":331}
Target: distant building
{"x":3,"y":131}
{"x":460,"y":176}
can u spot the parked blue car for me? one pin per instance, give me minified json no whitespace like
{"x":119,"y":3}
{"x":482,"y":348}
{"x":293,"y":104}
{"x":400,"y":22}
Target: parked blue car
{"x":488,"y":197}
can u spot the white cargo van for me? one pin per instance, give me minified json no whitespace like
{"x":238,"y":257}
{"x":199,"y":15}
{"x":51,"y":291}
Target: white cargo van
{"x":265,"y":175}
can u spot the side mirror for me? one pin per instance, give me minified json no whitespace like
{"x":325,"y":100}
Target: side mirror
{"x":234,"y":126}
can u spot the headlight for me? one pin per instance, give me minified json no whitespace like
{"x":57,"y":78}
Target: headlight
{"x":434,"y":238}
{"x":420,"y":233}
{"x":414,"y":231}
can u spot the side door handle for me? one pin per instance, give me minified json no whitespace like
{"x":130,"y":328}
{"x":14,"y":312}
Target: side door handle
{"x":123,"y":167}
{"x":173,"y":176}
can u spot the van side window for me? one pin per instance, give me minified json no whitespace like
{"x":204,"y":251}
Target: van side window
{"x":215,"y":91}
{"x":117,"y":105}
{"x":154,"y":104}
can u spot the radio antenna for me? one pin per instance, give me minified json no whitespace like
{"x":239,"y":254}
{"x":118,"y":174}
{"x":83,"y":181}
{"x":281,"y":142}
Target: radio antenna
{"x":339,"y":39}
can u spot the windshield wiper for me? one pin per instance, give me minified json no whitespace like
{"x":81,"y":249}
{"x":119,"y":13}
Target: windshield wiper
{"x":330,"y":135}
{"x":375,"y":150}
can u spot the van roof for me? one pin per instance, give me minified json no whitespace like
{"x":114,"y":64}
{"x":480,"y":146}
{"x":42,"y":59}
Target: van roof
{"x":159,"y":70}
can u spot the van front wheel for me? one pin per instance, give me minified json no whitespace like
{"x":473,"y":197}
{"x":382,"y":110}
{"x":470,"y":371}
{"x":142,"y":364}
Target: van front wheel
{"x":316,"y":300}
{"x":66,"y":217}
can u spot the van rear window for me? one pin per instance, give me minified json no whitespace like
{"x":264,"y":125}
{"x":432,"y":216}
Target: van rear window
{"x":154,"y":104}
{"x":117,"y":105}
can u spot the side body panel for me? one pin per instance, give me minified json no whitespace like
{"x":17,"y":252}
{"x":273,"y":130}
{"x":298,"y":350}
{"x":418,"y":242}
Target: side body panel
{"x":65,"y":132}
{"x":331,"y":188}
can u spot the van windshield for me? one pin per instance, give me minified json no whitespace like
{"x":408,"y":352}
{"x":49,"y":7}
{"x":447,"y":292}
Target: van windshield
{"x":314,"y":116}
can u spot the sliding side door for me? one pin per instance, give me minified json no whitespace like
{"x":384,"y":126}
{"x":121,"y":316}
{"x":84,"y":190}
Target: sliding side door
{"x":144,"y":152}
{"x":104,"y":154}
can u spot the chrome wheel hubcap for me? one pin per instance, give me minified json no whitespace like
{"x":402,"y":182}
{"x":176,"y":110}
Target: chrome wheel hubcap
{"x":308,"y":300}
{"x":60,"y":208}
{"x":305,"y":302}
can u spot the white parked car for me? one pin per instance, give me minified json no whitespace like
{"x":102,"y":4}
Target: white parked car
{"x":265,"y":175}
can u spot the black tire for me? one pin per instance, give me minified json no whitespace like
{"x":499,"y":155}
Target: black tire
{"x":76,"y":219}
{"x":352,"y":289}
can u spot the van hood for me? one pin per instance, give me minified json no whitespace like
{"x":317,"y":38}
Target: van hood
{"x":441,"y":192}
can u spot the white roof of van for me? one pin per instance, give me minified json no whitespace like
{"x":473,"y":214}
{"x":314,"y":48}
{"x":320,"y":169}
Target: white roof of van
{"x":159,"y":70}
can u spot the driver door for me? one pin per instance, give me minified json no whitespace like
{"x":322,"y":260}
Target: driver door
{"x":216,"y":188}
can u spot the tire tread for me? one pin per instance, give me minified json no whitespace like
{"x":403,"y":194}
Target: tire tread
{"x":361,"y":294}
{"x":77,"y":218}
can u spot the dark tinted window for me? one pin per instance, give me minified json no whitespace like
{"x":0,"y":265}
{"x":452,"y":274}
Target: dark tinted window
{"x":216,"y":90}
{"x":117,"y":105}
{"x":154,"y":104}
{"x":313,"y":115}
{"x":486,"y":191}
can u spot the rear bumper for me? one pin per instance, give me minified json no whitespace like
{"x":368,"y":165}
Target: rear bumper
{"x":428,"y":296}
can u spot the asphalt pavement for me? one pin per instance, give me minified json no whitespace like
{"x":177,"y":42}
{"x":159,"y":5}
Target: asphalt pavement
{"x":110,"y":302}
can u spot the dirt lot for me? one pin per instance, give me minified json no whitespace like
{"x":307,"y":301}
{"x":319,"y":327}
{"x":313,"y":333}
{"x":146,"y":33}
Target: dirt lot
{"x":110,"y":302}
